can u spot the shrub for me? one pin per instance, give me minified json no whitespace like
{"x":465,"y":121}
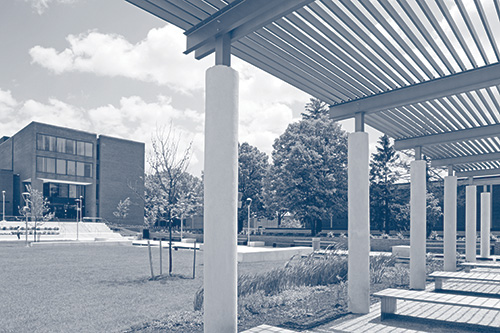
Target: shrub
{"x":379,"y":266}
{"x":292,"y":223}
{"x":309,"y":271}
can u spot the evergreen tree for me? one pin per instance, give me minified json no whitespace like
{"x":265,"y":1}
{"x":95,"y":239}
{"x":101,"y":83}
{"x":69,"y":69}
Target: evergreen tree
{"x":383,"y":175}
{"x":315,"y":109}
{"x":252,"y":168}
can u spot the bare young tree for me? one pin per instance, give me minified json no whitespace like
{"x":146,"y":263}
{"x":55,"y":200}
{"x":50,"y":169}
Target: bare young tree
{"x":36,"y":209}
{"x":168,"y":162}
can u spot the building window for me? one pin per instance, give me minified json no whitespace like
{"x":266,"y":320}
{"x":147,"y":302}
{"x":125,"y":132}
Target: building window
{"x":80,"y":169}
{"x":63,"y":190}
{"x":45,"y":164}
{"x":88,"y":170}
{"x":53,"y":190}
{"x":89,"y":147}
{"x":72,"y":191}
{"x":46,"y":142}
{"x":61,"y":145}
{"x":70,"y":146}
{"x":61,"y":167}
{"x":80,"y":148}
{"x":71,"y":168}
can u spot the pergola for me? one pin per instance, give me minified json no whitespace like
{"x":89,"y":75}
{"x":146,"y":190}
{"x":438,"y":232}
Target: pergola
{"x":425,"y":72}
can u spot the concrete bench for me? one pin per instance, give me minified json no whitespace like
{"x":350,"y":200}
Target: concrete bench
{"x":469,"y":265}
{"x":390,"y":296}
{"x":440,"y":277}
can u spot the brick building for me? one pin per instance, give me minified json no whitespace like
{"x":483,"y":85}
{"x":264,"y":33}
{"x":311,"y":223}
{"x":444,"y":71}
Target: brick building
{"x":66,"y":164}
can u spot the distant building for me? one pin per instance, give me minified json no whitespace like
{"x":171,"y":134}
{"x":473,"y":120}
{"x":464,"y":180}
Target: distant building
{"x":66,"y":164}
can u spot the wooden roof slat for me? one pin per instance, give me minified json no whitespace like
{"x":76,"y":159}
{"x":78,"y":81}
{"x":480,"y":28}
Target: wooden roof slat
{"x":319,"y":64}
{"x":456,"y":32}
{"x":471,"y":109}
{"x":412,"y":37}
{"x":472,"y":30}
{"x":439,"y":30}
{"x":373,"y":55}
{"x":472,"y":117}
{"x":401,"y":43}
{"x":375,"y":73}
{"x":423,"y":31}
{"x":487,"y":28}
{"x":465,"y":119}
{"x":478,"y":108}
{"x":394,"y":53}
{"x":431,"y":117}
{"x":320,"y":56}
{"x":162,"y":9}
{"x":370,"y":41}
{"x":279,"y":71}
{"x":344,"y":64}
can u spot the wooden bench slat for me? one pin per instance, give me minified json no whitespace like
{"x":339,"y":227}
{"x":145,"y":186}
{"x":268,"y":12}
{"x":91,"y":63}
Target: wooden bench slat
{"x":478,"y":276}
{"x":429,"y":297}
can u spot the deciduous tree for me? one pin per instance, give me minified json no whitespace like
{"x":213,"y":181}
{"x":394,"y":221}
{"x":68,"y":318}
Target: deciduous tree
{"x":310,"y":166}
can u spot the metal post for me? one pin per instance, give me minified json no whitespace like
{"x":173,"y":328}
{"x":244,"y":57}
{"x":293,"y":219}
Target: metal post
{"x":182,"y":222}
{"x":248,"y":227}
{"x":3,"y":205}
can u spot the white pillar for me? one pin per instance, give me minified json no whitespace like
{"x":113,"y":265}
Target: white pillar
{"x":450,"y":223}
{"x":470,"y":223}
{"x":359,"y":224}
{"x":418,"y":221}
{"x":485,"y":224}
{"x":221,"y":196}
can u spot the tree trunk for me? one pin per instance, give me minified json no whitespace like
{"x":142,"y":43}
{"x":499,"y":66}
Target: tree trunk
{"x":150,"y":259}
{"x":170,"y":248}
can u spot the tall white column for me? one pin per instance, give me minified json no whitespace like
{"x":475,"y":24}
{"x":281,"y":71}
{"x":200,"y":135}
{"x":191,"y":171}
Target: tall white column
{"x":359,"y":223}
{"x":470,"y":223}
{"x":485,"y":224}
{"x":450,"y":223}
{"x":418,"y":221}
{"x":221,"y":196}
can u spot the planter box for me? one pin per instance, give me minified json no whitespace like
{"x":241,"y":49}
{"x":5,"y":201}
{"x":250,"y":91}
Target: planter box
{"x":256,"y":244}
{"x":188,"y":240}
{"x":401,"y":251}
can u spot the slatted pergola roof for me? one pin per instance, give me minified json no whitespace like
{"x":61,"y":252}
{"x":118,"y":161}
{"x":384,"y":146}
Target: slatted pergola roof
{"x":425,"y":72}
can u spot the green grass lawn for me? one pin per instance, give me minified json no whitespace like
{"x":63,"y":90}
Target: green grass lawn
{"x":77,"y":288}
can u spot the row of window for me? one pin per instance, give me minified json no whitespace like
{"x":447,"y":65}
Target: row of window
{"x":62,"y":145}
{"x":63,"y":167}
{"x":63,"y":190}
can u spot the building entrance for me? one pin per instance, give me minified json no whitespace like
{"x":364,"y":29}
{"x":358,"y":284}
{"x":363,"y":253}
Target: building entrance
{"x":63,"y":199}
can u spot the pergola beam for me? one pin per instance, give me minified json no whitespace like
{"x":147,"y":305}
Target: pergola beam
{"x":238,"y":20}
{"x":479,"y":181}
{"x":476,"y":173}
{"x":473,"y":79}
{"x":465,"y":159}
{"x":449,"y":137}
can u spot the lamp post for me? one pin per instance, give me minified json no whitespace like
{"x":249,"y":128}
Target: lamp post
{"x":26,"y":211}
{"x":79,"y":208}
{"x":182,"y":217}
{"x":249,"y":205}
{"x":3,"y":205}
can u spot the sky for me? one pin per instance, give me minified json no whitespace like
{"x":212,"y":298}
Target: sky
{"x":110,"y":68}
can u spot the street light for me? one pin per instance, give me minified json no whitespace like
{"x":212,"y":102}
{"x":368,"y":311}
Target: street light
{"x":26,"y":211}
{"x":249,"y":204}
{"x":79,"y":208}
{"x":3,"y":205}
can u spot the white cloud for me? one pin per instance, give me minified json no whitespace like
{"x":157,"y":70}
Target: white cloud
{"x":265,"y":101}
{"x":158,"y":58}
{"x":133,"y":119}
{"x":42,"y":5}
